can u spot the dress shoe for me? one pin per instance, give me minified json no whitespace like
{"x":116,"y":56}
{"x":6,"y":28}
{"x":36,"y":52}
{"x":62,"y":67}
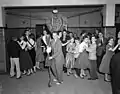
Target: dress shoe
{"x":106,"y":80}
{"x":12,"y":76}
{"x":49,"y":84}
{"x":19,"y":77}
{"x":92,"y":78}
{"x":55,"y":80}
{"x":82,"y":76}
{"x":58,"y":83}
{"x":76,"y":76}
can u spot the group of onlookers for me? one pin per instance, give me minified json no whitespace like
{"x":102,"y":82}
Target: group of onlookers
{"x":22,"y":54}
{"x":63,"y":51}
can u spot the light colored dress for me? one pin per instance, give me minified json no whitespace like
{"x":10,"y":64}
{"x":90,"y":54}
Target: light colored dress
{"x":82,"y":61}
{"x":104,"y":67}
{"x":76,"y":51}
{"x":70,"y":55}
{"x":39,"y":52}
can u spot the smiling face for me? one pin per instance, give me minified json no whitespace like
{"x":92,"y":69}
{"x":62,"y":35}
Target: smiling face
{"x":22,"y":38}
{"x":71,"y":34}
{"x":45,"y":32}
{"x":77,"y":41}
{"x":72,"y":40}
{"x":111,"y":41}
{"x":27,"y":33}
{"x":64,"y":33}
{"x":86,"y":40}
{"x":100,"y":35}
{"x":60,"y":34}
{"x":93,"y":39}
{"x":55,"y":36}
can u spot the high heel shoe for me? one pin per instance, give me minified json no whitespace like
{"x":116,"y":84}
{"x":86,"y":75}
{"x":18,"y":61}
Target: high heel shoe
{"x":82,"y":76}
{"x":19,"y":77}
{"x":34,"y":68}
{"x":106,"y":80}
{"x":28,"y":74}
{"x":49,"y":84}
{"x":68,"y":74}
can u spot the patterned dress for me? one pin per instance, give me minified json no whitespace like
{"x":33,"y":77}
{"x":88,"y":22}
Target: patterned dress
{"x":70,"y":55}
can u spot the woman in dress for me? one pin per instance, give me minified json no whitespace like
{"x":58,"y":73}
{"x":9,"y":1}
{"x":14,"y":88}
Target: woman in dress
{"x":39,"y":52}
{"x":70,"y":56}
{"x":32,"y":52}
{"x":64,"y":39}
{"x":92,"y":58}
{"x":82,"y":61}
{"x":76,"y":54}
{"x":104,"y":67}
{"x":25,"y":59}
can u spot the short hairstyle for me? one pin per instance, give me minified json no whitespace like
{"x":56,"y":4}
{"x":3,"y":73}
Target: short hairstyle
{"x":77,"y":38}
{"x":93,"y":35}
{"x":86,"y":36}
{"x":55,"y":32}
{"x":59,"y":31}
{"x":32,"y":36}
{"x":109,"y":38}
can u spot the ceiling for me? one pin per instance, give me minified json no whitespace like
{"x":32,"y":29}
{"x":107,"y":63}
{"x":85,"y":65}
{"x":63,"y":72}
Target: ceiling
{"x":44,"y":12}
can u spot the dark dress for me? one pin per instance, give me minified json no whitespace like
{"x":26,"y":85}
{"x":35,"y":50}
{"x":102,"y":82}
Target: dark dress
{"x":25,"y":60}
{"x":104,"y":67}
{"x":83,"y":60}
{"x":100,"y":50}
{"x":32,"y":53}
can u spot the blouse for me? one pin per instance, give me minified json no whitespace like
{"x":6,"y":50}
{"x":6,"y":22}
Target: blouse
{"x":82,"y":47}
{"x":76,"y":51}
{"x":92,"y":52}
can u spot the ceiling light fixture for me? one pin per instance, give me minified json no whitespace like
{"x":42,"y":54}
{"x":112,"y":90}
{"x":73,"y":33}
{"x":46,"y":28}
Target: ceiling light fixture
{"x":55,"y":11}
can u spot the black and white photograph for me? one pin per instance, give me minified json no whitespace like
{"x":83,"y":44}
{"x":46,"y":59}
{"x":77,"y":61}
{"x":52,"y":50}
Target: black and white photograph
{"x":59,"y":47}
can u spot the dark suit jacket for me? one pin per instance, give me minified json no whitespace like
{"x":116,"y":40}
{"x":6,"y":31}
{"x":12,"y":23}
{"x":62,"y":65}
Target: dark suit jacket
{"x":101,"y":49}
{"x":57,"y":52}
{"x":115,"y":72}
{"x":13,"y":49}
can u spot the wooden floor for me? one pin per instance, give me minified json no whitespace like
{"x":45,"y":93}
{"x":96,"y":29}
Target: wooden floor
{"x":37,"y":84}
